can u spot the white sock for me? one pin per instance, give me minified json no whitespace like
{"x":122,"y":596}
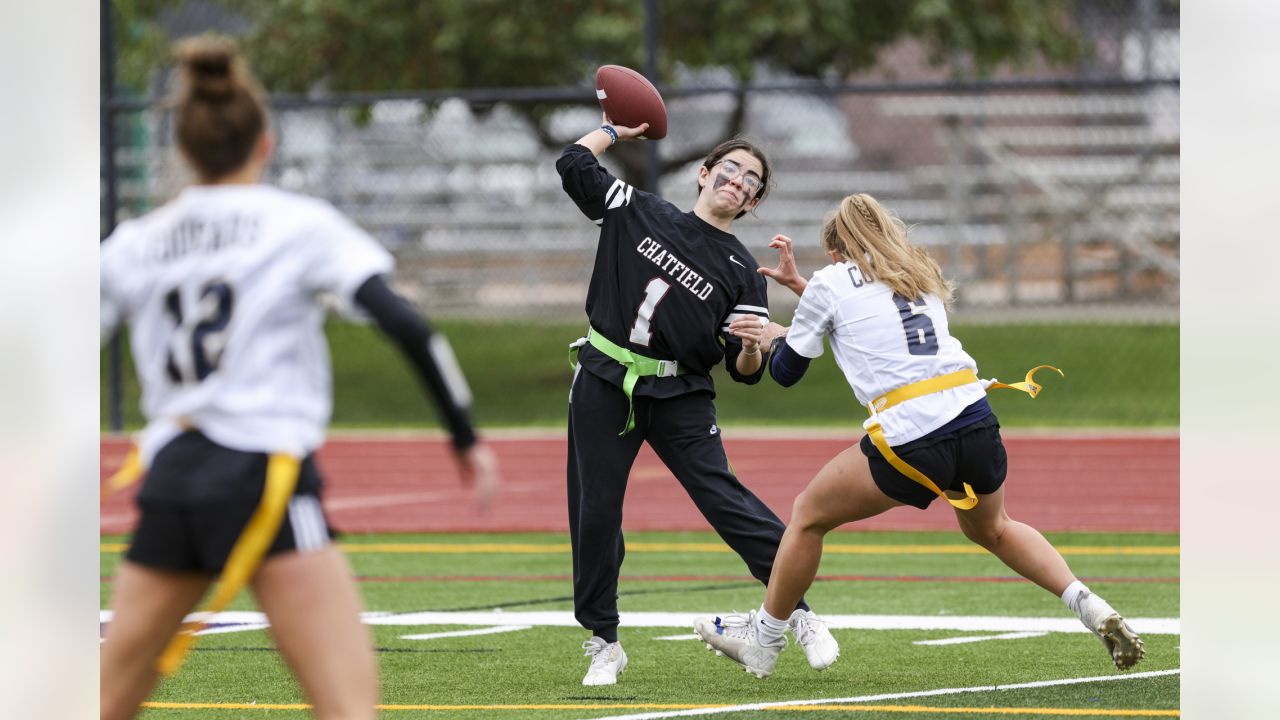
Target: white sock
{"x":1072,"y":595}
{"x":768,"y":627}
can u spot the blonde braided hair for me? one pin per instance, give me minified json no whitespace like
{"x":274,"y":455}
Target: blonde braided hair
{"x":861,"y":230}
{"x":866,"y":212}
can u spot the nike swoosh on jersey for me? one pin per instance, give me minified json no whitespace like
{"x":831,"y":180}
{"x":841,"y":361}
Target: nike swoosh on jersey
{"x":733,"y":259}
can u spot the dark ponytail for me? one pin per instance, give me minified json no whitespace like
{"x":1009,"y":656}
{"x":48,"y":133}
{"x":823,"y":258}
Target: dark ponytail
{"x":220,"y":110}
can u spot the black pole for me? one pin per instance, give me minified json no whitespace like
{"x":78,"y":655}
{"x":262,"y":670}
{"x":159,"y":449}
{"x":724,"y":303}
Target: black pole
{"x":653,"y":168}
{"x":107,"y":126}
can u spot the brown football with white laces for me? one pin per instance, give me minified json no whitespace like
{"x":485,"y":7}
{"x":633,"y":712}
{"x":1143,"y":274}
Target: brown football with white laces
{"x":630,"y":100}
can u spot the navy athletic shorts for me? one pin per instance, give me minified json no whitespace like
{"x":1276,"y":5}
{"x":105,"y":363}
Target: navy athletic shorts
{"x":197,"y":498}
{"x":971,"y":454}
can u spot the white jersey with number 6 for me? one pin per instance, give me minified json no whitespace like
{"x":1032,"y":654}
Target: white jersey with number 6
{"x":221,"y":289}
{"x":883,"y":341}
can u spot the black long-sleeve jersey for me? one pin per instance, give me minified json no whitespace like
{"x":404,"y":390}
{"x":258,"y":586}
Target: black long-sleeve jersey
{"x":666,"y":284}
{"x":428,"y":352}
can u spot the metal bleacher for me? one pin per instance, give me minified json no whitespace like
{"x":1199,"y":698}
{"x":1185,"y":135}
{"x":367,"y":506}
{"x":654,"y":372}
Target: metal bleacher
{"x":1045,"y":200}
{"x":1084,"y":185}
{"x":1026,"y":200}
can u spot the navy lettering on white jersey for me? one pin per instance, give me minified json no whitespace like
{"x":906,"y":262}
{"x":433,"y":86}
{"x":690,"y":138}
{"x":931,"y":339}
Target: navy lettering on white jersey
{"x":922,"y":339}
{"x":204,"y":235}
{"x":199,"y":334}
{"x":222,"y":291}
{"x":856,"y":277}
{"x":882,"y":342}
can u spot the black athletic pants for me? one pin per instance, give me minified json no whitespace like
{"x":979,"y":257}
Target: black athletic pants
{"x":682,"y":431}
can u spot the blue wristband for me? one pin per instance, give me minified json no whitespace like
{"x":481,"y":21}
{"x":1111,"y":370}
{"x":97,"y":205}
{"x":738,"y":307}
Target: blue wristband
{"x":613,"y":134}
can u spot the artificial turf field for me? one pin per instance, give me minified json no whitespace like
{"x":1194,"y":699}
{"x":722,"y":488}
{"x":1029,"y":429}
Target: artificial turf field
{"x":890,"y":592}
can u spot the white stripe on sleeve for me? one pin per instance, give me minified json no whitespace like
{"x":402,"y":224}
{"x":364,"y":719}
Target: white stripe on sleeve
{"x":739,"y":315}
{"x":442,"y":353}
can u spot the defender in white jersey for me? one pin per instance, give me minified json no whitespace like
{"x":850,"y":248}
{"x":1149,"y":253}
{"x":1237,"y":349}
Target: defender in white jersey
{"x":882,"y":341}
{"x":222,"y":289}
{"x":882,"y":306}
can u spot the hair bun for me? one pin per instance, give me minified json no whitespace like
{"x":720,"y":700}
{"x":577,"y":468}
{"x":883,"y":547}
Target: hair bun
{"x":209,"y":62}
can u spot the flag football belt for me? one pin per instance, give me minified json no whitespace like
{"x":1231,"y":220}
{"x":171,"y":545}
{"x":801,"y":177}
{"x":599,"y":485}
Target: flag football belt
{"x":129,"y":472}
{"x":131,"y":469}
{"x":637,"y":366}
{"x":927,"y":387}
{"x":246,"y":554}
{"x":245,"y":558}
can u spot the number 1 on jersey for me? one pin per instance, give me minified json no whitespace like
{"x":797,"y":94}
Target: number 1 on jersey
{"x":653,"y":294}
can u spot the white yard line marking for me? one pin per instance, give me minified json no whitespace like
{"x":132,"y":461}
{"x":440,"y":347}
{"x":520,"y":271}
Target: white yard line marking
{"x":564,"y":618}
{"x":981,"y":638}
{"x":962,"y":623}
{"x":690,"y":636}
{"x":887,"y":696}
{"x":225,"y":622}
{"x":465,"y":633}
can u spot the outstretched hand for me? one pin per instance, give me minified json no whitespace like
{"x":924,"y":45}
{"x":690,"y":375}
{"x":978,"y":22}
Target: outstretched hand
{"x":785,"y":272}
{"x":479,"y":468}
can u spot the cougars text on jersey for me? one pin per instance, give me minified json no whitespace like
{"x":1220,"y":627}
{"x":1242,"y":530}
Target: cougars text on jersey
{"x":205,"y":235}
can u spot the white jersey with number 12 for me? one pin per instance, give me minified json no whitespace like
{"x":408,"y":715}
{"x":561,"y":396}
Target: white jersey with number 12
{"x":221,"y":289}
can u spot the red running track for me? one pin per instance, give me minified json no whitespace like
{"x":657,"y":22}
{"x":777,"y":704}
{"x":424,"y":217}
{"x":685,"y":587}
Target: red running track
{"x":407,"y":483}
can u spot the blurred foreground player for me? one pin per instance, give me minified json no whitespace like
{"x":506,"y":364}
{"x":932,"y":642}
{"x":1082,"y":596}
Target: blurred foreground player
{"x":221,"y":289}
{"x":882,"y":306}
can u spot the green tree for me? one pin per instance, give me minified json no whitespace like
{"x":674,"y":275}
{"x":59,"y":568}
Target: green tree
{"x":380,"y":45}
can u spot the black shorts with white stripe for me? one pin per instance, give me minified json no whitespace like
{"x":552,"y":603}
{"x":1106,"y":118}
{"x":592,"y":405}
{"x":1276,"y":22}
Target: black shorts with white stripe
{"x":949,"y":456}
{"x":197,"y":498}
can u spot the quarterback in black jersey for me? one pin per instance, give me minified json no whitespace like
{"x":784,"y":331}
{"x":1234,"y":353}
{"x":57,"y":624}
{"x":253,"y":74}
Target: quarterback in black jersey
{"x":672,"y":294}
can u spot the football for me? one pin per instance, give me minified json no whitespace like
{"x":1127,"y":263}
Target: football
{"x":630,"y":100}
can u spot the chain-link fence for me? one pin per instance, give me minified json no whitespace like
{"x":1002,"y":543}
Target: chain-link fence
{"x":1062,"y":199}
{"x":1046,"y":197}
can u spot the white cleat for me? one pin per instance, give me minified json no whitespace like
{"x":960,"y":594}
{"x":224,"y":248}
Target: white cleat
{"x":608,"y":660}
{"x":735,"y":638}
{"x":812,"y":634}
{"x":1122,"y":643}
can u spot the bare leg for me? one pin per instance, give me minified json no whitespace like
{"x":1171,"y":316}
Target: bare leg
{"x":841,"y":492}
{"x":314,"y":610}
{"x":1018,"y":545}
{"x":148,"y":606}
